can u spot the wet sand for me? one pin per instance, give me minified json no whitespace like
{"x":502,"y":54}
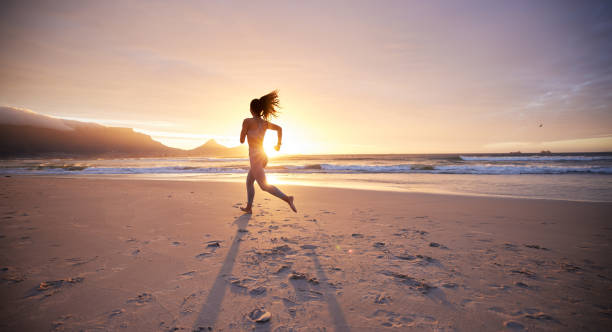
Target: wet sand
{"x":143,"y":255}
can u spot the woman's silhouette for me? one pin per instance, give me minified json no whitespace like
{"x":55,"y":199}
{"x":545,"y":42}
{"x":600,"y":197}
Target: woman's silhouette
{"x":254,"y":129}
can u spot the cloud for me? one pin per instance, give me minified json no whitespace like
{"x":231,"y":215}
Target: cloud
{"x":24,"y":117}
{"x":184,"y":140}
{"x":121,"y":123}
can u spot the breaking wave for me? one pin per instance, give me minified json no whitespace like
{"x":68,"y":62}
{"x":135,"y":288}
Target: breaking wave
{"x":321,"y":168}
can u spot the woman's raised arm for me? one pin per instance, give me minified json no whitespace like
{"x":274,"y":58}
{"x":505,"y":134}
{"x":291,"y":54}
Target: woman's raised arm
{"x":279,"y":134}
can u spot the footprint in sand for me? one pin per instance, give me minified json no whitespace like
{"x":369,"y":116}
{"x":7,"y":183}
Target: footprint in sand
{"x":282,"y":269}
{"x":258,"y":291}
{"x":570,"y":267}
{"x":288,"y":240}
{"x":58,"y":325}
{"x":535,"y":246}
{"x":437,"y":245}
{"x":382,"y":299}
{"x":420,"y":260}
{"x":450,"y":285}
{"x":541,"y":317}
{"x":187,"y":275}
{"x":511,"y":247}
{"x":48,"y":288}
{"x":303,"y":276}
{"x":497,"y":287}
{"x":514,"y":326}
{"x":406,"y":257}
{"x":260,"y":315}
{"x":412,"y":283}
{"x":76,"y":261}
{"x":291,"y":304}
{"x":521,"y":284}
{"x":211,"y":246}
{"x":239,"y":286}
{"x":535,"y":314}
{"x":141,"y":299}
{"x":203,"y":255}
{"x":116,"y":312}
{"x":526,"y":273}
{"x":188,"y":305}
{"x":297,"y":276}
{"x":393,"y":319}
{"x":10,"y":276}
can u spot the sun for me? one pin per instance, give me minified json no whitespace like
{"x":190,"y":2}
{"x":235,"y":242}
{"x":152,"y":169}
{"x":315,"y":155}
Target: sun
{"x":269,"y":143}
{"x":290,"y":145}
{"x":293,"y":143}
{"x":270,"y":152}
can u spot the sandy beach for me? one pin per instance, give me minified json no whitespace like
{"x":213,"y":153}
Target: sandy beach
{"x":145,"y":255}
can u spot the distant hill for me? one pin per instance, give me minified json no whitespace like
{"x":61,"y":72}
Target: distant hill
{"x":24,"y":133}
{"x":212,"y":148}
{"x":81,"y":141}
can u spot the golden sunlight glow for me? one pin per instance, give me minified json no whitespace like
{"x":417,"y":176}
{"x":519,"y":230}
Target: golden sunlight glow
{"x":193,"y":80}
{"x":269,"y":143}
{"x":291,"y":144}
{"x":273,"y":179}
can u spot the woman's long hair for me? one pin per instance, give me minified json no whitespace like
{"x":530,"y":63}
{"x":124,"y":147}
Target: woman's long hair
{"x":266,"y":106}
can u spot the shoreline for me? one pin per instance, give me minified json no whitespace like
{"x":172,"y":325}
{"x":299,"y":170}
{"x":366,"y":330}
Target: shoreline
{"x":241,"y":178}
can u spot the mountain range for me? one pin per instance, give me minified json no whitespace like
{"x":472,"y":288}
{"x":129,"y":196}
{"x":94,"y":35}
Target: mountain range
{"x":24,"y":133}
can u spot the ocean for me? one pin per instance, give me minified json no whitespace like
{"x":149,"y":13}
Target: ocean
{"x":569,"y":176}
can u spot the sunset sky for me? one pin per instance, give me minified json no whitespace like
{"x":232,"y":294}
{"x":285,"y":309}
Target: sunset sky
{"x":354,"y":76}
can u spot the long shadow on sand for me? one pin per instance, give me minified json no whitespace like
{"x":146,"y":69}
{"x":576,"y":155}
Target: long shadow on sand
{"x":210,"y":309}
{"x":335,"y":311}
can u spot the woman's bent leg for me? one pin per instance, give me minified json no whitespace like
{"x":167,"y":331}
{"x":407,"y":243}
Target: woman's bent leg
{"x":260,"y":177}
{"x":276,"y":192}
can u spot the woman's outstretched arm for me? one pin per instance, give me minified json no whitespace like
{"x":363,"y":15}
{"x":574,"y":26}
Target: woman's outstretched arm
{"x":279,"y":134}
{"x":244,"y":131}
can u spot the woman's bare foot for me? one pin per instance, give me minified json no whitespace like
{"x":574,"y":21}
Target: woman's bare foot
{"x":246,"y":210}
{"x":290,"y":202}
